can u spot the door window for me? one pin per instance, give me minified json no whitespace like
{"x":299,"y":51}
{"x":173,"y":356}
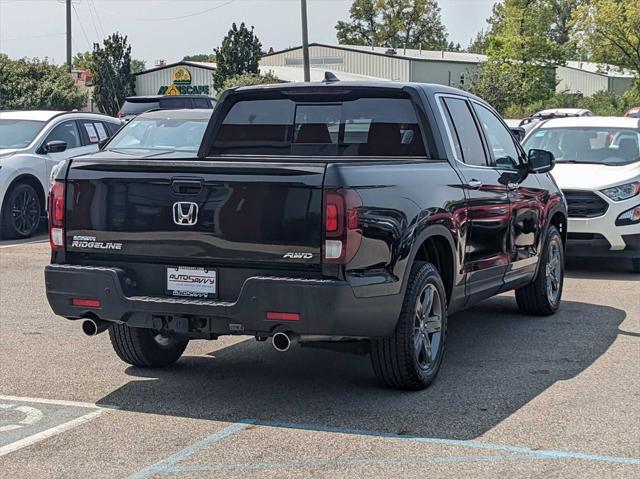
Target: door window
{"x":466,"y":132}
{"x":67,"y":132}
{"x":503,"y":147}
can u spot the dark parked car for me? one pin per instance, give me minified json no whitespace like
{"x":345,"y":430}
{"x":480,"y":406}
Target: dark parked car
{"x":134,"y":105}
{"x":330,"y":214}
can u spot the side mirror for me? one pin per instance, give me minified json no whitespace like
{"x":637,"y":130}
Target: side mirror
{"x":540,"y":161}
{"x":55,"y":146}
{"x":518,"y":132}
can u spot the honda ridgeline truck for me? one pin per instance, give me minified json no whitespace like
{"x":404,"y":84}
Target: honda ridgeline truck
{"x":328,"y":214}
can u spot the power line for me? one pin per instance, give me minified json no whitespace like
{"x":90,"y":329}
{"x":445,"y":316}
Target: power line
{"x":146,"y":19}
{"x":86,"y":37}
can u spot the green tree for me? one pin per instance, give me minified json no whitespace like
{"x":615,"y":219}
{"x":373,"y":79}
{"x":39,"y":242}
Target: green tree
{"x":250,"y":79}
{"x":480,"y":43}
{"x":137,"y":66}
{"x":82,"y":60}
{"x":28,"y":84}
{"x":239,"y":53}
{"x":200,"y":57}
{"x":113,"y":79}
{"x":610,"y":31}
{"x":394,"y":23}
{"x":522,"y":56}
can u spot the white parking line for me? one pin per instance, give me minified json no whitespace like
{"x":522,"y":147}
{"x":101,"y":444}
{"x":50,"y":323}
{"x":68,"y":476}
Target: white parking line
{"x":22,"y":244}
{"x":55,"y":402}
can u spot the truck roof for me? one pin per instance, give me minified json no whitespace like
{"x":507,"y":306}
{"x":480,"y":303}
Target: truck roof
{"x":430,"y":88}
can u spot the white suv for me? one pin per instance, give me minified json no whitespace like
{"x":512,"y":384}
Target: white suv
{"x":598,"y":169}
{"x":31,"y":144}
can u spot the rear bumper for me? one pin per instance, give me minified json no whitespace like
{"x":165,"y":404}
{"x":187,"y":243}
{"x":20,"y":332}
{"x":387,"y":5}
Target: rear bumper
{"x":326,"y":307}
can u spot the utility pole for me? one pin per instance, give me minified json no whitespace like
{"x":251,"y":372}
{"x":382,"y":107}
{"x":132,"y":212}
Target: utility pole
{"x":69,"y":35}
{"x":305,"y":41}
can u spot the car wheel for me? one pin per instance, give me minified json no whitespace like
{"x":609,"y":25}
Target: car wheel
{"x":410,"y":358}
{"x":21,"y":212}
{"x":144,"y":347}
{"x":542,"y":296}
{"x":635,"y":265}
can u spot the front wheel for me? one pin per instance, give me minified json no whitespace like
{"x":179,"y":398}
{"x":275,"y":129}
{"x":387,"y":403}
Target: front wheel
{"x":144,"y":347}
{"x":21,"y":212}
{"x":410,"y":358}
{"x":542,"y":296}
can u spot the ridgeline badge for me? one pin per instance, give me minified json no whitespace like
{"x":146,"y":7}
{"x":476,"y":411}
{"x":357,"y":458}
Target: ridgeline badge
{"x":181,"y":85}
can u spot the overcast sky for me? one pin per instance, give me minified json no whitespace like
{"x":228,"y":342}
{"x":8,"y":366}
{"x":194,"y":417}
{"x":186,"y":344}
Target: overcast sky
{"x":170,"y":29}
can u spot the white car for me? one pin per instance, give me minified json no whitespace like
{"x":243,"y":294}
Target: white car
{"x":31,"y":144}
{"x":598,"y":169}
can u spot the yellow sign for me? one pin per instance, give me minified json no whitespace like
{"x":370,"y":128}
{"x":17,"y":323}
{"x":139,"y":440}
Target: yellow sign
{"x":181,"y":76}
{"x":172,"y":90}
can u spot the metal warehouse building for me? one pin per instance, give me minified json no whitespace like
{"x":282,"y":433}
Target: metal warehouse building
{"x":445,"y":68}
{"x":180,"y":78}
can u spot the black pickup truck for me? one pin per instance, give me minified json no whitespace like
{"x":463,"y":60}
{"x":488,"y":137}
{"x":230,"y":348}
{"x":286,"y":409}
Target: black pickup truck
{"x":330,"y":214}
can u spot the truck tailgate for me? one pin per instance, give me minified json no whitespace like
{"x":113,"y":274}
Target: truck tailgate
{"x":196,"y":212}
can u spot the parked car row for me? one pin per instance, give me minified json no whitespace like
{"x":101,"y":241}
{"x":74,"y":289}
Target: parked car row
{"x":32,"y":143}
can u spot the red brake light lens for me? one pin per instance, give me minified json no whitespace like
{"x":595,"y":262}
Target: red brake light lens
{"x":331,"y":225}
{"x":342,"y":226}
{"x":56,"y":215}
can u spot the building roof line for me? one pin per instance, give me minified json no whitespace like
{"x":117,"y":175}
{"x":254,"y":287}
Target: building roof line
{"x":176,"y":64}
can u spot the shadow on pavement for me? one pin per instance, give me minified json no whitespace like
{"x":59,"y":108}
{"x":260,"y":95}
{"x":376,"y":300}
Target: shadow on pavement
{"x":497,"y":361}
{"x":616,"y":269}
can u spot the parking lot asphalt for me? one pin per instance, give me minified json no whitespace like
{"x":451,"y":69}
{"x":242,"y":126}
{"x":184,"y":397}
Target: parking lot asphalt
{"x":516,"y":397}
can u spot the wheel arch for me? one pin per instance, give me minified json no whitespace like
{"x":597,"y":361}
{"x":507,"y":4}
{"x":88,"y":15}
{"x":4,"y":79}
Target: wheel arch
{"x":35,"y":183}
{"x":436,"y":245}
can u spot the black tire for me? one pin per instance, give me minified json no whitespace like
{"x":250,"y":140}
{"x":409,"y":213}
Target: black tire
{"x":397,"y":360}
{"x":144,"y":347}
{"x":21,"y":210}
{"x":635,"y":265}
{"x":542,"y":296}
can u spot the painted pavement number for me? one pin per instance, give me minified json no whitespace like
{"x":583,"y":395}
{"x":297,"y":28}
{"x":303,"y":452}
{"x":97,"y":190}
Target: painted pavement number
{"x":25,"y":421}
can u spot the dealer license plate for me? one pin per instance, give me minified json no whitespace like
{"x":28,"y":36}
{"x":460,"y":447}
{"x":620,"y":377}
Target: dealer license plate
{"x":192,"y":282}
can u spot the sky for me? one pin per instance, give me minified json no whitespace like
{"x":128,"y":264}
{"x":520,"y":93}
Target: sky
{"x":170,"y":29}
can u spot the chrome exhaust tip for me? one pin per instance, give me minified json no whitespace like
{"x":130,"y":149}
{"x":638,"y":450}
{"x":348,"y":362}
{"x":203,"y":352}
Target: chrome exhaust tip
{"x":93,"y":327}
{"x":281,"y":341}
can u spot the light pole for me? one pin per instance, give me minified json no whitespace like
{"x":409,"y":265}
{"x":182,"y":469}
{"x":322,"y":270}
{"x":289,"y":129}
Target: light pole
{"x":305,"y":41}
{"x":69,"y":35}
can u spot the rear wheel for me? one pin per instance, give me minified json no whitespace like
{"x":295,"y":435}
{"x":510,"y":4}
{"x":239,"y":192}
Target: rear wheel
{"x":411,"y":357}
{"x":21,"y":212}
{"x":144,"y":347}
{"x":542,"y":296}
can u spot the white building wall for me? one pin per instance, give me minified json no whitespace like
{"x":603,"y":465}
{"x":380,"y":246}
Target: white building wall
{"x":336,"y":60}
{"x":455,"y":74}
{"x":150,"y":83}
{"x":586,"y":82}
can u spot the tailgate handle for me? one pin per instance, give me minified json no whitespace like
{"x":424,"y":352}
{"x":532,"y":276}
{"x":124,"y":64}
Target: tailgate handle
{"x":184,"y":186}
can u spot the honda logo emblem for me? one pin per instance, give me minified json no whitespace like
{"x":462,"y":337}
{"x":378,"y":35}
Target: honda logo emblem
{"x":185,"y":213}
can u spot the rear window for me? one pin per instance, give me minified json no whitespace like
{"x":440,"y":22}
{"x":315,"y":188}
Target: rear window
{"x":360,"y":127}
{"x":137,"y":107}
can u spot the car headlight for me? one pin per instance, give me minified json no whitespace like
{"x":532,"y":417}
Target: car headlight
{"x":622,"y":192}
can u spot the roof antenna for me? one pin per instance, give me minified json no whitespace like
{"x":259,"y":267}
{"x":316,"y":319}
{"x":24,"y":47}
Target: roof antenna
{"x":330,"y":78}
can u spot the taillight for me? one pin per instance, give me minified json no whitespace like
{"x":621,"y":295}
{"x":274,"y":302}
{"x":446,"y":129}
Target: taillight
{"x":342,"y":233}
{"x":56,"y":215}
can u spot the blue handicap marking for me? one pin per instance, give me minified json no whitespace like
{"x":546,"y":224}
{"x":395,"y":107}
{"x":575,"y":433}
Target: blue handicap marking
{"x":24,"y":421}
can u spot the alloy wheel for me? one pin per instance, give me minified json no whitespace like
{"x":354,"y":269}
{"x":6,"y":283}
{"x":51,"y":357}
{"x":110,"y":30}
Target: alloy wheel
{"x":427,"y":327}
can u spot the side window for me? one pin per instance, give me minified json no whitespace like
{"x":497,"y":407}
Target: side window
{"x":201,"y":103}
{"x":112,"y":128}
{"x":93,"y":131}
{"x":466,"y":131}
{"x":501,"y":142}
{"x":67,"y":132}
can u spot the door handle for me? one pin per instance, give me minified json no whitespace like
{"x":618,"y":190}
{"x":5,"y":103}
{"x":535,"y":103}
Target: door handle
{"x":474,"y":183}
